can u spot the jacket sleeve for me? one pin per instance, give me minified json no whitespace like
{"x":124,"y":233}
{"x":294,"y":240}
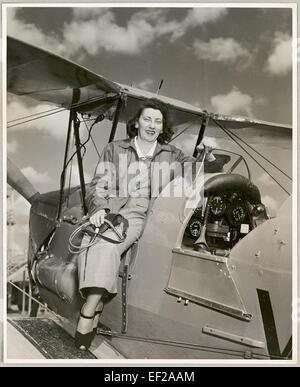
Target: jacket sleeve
{"x":182,"y":158}
{"x":211,"y":164}
{"x":103,"y":185}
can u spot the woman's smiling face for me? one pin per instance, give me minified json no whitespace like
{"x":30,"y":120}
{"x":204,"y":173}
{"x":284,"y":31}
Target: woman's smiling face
{"x":150,"y":124}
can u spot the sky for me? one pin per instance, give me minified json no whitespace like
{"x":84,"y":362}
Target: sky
{"x":226,"y":60}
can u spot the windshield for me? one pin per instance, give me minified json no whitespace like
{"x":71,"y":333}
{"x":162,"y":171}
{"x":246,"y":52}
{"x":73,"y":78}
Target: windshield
{"x":266,"y":153}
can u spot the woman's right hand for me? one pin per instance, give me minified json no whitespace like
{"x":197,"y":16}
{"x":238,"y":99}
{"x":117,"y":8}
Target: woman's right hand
{"x":98,"y":218}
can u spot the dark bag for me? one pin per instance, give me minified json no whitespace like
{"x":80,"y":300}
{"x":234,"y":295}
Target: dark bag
{"x":58,"y":272}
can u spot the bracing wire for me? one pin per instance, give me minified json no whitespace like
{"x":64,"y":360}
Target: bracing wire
{"x":245,"y":150}
{"x":180,"y":133}
{"x":53,"y":111}
{"x":232,"y":135}
{"x":36,"y":118}
{"x":33,"y":114}
{"x":82,"y":145}
{"x":179,"y":344}
{"x":262,"y":156}
{"x":35,"y":300}
{"x":193,"y":346}
{"x":95,"y":146}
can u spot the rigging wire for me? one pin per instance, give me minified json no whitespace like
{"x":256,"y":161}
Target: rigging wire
{"x":245,"y":150}
{"x":35,"y":300}
{"x":237,"y":154}
{"x":254,"y":150}
{"x":58,"y":110}
{"x":36,"y":118}
{"x":231,"y":135}
{"x":95,"y":146}
{"x":82,"y":145}
{"x":33,"y":114}
{"x":179,"y":344}
{"x":179,"y":134}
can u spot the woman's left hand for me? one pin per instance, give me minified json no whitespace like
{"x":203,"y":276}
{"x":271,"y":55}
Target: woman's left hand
{"x":208,"y":151}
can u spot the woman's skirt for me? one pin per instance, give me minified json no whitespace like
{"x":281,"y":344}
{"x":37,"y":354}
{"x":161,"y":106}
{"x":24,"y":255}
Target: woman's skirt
{"x":98,"y":266}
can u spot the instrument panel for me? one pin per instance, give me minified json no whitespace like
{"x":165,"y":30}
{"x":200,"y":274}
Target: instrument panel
{"x":227,"y":219}
{"x":231,"y":206}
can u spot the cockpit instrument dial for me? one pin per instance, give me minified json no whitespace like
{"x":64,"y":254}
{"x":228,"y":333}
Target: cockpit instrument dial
{"x":217,"y":206}
{"x":237,"y":215}
{"x":195,"y":228}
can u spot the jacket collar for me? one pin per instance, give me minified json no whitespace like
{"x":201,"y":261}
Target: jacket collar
{"x":129,"y":143}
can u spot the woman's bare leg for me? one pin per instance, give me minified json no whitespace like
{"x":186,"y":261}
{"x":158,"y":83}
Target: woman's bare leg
{"x":93,"y":303}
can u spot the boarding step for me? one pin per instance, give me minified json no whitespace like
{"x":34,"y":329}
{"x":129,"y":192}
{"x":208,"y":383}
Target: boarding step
{"x":49,"y":338}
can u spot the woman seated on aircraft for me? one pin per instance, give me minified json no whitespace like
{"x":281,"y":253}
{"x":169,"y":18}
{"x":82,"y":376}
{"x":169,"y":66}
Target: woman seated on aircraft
{"x":149,"y":131}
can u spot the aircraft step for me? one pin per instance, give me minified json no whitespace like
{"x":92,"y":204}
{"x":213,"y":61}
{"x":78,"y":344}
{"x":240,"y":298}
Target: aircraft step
{"x":49,"y":338}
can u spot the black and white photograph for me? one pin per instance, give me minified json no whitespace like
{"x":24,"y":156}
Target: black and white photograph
{"x":150,"y":206}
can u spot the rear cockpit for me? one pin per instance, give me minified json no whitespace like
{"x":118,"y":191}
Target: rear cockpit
{"x":230,"y":208}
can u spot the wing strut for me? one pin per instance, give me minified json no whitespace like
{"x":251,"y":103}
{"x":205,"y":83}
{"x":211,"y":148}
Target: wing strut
{"x":201,"y":133}
{"x":116,"y":118}
{"x":63,"y":174}
{"x":79,"y":159}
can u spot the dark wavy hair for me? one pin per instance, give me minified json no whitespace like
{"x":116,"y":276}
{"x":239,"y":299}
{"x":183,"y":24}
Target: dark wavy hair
{"x":167,"y":132}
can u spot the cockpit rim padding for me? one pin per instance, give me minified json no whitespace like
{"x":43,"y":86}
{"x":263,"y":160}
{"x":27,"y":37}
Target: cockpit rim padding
{"x":239,"y":183}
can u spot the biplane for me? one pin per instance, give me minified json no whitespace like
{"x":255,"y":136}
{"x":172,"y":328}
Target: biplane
{"x":230,"y":299}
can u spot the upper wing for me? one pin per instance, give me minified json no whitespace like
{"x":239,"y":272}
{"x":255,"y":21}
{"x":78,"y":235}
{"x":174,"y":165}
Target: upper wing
{"x":35,"y":72}
{"x":237,"y":122}
{"x":51,"y":78}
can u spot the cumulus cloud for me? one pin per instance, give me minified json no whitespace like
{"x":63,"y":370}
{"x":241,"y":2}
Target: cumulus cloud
{"x":211,"y":142}
{"x":104,"y":33}
{"x":97,"y":29}
{"x":53,"y":125}
{"x":35,"y":177}
{"x":146,"y":84}
{"x":15,"y":249}
{"x":75,"y":179}
{"x":88,"y":12}
{"x":187,"y":142}
{"x":220,"y":50}
{"x":21,"y":207}
{"x":17,"y":236}
{"x":235,"y":102}
{"x":30,"y":33}
{"x":280,"y":60}
{"x":197,"y":17}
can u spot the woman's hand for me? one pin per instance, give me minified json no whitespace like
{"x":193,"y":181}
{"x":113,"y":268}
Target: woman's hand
{"x":98,"y":218}
{"x":208,"y":151}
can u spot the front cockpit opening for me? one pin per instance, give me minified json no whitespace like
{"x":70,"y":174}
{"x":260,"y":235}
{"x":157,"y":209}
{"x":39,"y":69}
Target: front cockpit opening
{"x":231,"y":208}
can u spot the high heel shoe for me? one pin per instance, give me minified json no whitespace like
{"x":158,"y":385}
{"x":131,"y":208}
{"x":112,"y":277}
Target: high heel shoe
{"x":83,"y":340}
